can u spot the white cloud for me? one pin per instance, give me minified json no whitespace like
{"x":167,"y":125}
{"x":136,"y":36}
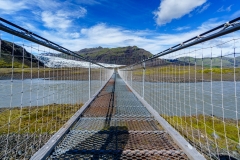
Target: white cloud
{"x":11,"y":6}
{"x":174,"y":9}
{"x":62,"y":19}
{"x":182,"y":28}
{"x":45,"y":5}
{"x":77,"y":13}
{"x":204,"y":7}
{"x":222,"y":9}
{"x":106,"y":36}
{"x":55,"y":21}
{"x":53,"y":14}
{"x":74,"y":35}
{"x":101,"y":35}
{"x":229,"y":8}
{"x":89,"y":2}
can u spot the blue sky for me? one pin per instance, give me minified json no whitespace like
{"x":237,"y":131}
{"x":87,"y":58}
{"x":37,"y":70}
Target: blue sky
{"x":153,"y":25}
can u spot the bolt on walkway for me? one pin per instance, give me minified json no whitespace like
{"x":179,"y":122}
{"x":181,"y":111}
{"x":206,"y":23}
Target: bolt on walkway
{"x":117,"y":126}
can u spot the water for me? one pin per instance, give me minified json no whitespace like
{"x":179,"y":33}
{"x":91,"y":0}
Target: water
{"x":38,"y":92}
{"x":184,"y":99}
{"x":181,"y":99}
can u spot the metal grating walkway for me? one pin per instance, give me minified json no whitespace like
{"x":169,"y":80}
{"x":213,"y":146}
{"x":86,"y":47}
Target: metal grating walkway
{"x":117,"y":126}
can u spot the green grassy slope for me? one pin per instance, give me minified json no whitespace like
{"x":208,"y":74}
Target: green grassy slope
{"x":216,"y":61}
{"x":120,"y":55}
{"x":17,"y":58}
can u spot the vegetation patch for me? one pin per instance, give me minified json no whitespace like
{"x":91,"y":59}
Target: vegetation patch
{"x":219,"y":70}
{"x":177,"y":73}
{"x":36,"y":119}
{"x":5,"y":64}
{"x":216,"y":132}
{"x":49,"y":73}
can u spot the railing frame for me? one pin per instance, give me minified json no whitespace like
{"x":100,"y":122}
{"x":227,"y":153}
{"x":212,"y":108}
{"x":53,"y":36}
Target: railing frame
{"x":190,"y":151}
{"x":143,"y":79}
{"x":89,"y":80}
{"x":46,"y":150}
{"x":18,"y":31}
{"x":131,"y":75}
{"x":224,"y":29}
{"x":28,"y":35}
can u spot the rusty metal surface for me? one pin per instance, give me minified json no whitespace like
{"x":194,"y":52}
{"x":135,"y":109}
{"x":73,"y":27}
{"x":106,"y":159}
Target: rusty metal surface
{"x":137,"y":124}
{"x":116,"y":125}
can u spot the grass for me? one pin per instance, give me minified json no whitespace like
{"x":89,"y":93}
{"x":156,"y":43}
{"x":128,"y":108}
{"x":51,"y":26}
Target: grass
{"x":36,"y":70}
{"x":176,"y":70}
{"x":219,"y":70}
{"x":25,"y":70}
{"x":214,"y":61}
{"x":48,"y":118}
{"x":4,"y":64}
{"x":79,"y":74}
{"x":188,"y":73}
{"x":46,"y":70}
{"x":226,"y":130}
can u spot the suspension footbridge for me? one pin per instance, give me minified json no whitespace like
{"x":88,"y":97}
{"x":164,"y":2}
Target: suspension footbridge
{"x":179,"y":104}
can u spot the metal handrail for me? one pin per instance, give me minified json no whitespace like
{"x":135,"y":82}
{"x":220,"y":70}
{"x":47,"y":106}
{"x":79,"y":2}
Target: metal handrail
{"x":225,"y":28}
{"x":28,"y":35}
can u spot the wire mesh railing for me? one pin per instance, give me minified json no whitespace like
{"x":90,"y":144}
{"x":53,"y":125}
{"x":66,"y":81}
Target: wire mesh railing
{"x":42,"y":85}
{"x":196,"y":89}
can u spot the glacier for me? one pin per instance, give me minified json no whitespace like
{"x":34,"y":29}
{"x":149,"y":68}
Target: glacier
{"x":58,"y":62}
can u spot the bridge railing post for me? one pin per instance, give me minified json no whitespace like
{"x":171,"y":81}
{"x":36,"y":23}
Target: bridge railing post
{"x":131,"y":75}
{"x":100,"y":76}
{"x":0,"y":45}
{"x":143,"y":80}
{"x":89,"y":80}
{"x":126,"y":75}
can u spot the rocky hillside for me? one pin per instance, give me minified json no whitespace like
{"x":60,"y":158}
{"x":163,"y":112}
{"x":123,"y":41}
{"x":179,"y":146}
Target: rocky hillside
{"x":120,"y":55}
{"x":6,"y":57}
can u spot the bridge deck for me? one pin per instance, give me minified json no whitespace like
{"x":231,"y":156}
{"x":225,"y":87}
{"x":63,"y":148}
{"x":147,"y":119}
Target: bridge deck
{"x":117,"y":126}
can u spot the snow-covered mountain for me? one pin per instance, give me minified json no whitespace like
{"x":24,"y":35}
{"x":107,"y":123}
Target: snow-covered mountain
{"x":57,"y":62}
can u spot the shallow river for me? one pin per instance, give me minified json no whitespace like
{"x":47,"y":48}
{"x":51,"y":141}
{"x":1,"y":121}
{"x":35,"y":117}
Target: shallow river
{"x":38,"y":92}
{"x":216,"y":98}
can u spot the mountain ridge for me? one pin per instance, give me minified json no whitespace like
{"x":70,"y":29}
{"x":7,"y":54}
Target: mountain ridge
{"x":17,"y":59}
{"x":120,"y":55}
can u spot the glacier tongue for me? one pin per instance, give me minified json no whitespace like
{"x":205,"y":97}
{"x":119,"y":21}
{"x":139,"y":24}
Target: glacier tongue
{"x":57,"y":62}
